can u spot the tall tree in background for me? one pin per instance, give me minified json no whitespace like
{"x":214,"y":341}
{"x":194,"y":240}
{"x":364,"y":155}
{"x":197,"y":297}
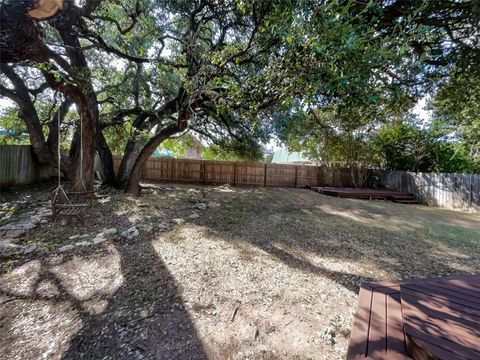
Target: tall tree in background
{"x":142,"y":71}
{"x":382,"y":58}
{"x":457,"y":104}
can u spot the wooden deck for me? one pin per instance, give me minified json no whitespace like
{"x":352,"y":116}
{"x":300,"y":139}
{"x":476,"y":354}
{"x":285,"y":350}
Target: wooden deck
{"x":378,"y":333}
{"x":370,"y":194}
{"x":418,"y":319}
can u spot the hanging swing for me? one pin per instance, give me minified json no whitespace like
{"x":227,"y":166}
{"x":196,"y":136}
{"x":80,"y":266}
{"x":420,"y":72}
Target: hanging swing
{"x":68,"y":203}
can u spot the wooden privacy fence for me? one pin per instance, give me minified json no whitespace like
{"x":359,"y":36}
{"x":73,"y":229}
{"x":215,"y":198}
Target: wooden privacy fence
{"x":240,"y":173}
{"x":451,"y":191}
{"x":18,"y":166}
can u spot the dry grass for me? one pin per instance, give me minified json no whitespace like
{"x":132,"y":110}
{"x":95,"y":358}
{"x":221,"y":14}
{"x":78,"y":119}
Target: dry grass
{"x":262,"y":274}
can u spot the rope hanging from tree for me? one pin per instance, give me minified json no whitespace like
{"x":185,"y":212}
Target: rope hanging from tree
{"x":59,"y":194}
{"x":71,"y":204}
{"x":80,"y":179}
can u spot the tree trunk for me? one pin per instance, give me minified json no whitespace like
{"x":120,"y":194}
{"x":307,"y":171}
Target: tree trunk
{"x":74,"y":144}
{"x":85,"y":154}
{"x":87,"y":107}
{"x":133,"y":186}
{"x":21,"y":39}
{"x":78,"y":59}
{"x":132,"y":149}
{"x":55,"y":121}
{"x":106,"y":158}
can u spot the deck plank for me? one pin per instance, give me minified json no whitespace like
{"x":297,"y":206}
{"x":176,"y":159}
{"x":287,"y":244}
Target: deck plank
{"x":441,"y":318}
{"x":377,"y":331}
{"x":448,"y":286}
{"x":438,"y":347}
{"x":423,"y":350}
{"x":435,"y":326}
{"x":453,"y":295}
{"x":442,"y":296}
{"x":435,"y":318}
{"x":377,"y":338}
{"x":464,"y":282}
{"x":395,"y":334}
{"x":444,"y":311}
{"x":357,"y":347}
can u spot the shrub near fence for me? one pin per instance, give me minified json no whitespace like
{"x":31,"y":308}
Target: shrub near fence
{"x":240,"y":173}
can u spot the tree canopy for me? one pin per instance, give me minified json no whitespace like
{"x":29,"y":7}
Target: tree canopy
{"x":321,"y":76}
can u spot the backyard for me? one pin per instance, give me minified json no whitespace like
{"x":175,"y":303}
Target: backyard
{"x":210,"y":272}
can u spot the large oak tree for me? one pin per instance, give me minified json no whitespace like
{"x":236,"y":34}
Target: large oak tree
{"x":142,"y":71}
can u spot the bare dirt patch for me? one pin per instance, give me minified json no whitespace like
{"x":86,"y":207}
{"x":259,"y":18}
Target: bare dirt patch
{"x":255,"y":274}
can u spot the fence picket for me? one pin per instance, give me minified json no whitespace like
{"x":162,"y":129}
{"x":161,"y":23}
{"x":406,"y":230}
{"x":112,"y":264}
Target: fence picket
{"x":450,"y":191}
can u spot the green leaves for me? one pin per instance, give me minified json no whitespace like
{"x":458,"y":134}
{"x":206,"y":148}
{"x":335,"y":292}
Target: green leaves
{"x":403,"y":145}
{"x":457,"y":104}
{"x":322,"y":73}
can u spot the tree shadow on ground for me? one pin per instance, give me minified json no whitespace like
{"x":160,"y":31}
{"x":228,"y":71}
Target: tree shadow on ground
{"x":289,"y":225}
{"x":145,"y":318}
{"x":349,"y":281}
{"x":140,"y":313}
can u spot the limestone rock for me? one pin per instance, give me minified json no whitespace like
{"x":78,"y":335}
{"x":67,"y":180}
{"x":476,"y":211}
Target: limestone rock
{"x":99,"y":240}
{"x":7,"y":246}
{"x":201,"y":206}
{"x":14,"y":234}
{"x":110,"y":231}
{"x":30,"y":249}
{"x":25,"y":225}
{"x":130,"y":233}
{"x":146,"y":228}
{"x":9,"y":227}
{"x":9,"y":240}
{"x":144,"y":313}
{"x":66,"y":248}
{"x":82,"y":243}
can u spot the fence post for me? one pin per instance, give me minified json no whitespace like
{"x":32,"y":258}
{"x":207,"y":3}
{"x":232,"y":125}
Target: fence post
{"x":296,"y":175}
{"x":471,"y":190}
{"x":173,"y":170}
{"x":265,"y":175}
{"x":234,"y":173}
{"x":204,"y":175}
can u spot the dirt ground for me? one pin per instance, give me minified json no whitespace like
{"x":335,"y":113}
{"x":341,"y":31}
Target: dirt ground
{"x":215,"y":272}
